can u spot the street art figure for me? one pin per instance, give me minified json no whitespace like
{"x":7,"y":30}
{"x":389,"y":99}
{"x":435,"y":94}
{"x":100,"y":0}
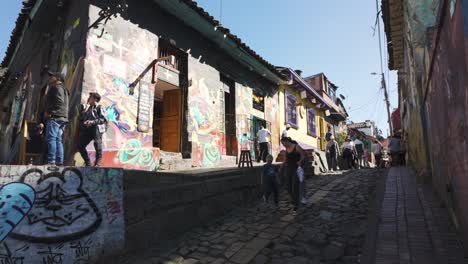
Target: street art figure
{"x":63,"y":211}
{"x":16,"y":200}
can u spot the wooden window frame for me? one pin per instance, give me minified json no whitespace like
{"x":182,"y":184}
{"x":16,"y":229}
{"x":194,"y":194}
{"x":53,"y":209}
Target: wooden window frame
{"x":311,"y":131}
{"x":293,"y":123}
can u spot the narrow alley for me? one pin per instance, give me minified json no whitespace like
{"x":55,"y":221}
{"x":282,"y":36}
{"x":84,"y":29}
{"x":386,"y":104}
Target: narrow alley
{"x":154,"y":132}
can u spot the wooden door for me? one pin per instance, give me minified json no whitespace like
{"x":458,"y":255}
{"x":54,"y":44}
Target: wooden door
{"x":170,"y":121}
{"x":322,"y":135}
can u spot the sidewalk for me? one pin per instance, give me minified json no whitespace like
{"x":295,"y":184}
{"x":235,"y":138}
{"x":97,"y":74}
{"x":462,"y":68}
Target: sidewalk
{"x":413,"y":227}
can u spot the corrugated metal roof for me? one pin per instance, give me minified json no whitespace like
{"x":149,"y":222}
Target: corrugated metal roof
{"x":17,"y":31}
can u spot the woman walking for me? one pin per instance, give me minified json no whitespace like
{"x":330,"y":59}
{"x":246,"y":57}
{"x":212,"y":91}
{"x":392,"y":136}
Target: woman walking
{"x":295,"y":157}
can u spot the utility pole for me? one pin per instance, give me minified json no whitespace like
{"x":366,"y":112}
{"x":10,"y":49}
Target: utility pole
{"x":384,"y":84}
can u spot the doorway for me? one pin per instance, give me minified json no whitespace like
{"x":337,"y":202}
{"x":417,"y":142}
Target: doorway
{"x":256,"y":124}
{"x":230,"y":115}
{"x":167,"y":119}
{"x":322,"y":134}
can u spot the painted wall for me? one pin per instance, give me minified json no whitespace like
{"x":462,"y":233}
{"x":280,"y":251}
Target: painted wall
{"x":272,"y":115}
{"x":206,"y":115}
{"x":65,"y":215}
{"x":244,"y":106}
{"x":35,"y":52}
{"x":113,"y":61}
{"x":300,"y":134}
{"x":448,"y":100}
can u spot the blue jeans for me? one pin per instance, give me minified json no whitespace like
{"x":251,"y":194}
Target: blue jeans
{"x":54,"y":132}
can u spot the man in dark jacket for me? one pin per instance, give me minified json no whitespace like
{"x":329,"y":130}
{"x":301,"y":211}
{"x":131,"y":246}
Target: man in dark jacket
{"x":92,"y":125}
{"x":56,"y":114}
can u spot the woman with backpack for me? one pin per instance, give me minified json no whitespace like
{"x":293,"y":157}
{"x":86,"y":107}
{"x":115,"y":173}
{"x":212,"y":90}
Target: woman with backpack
{"x":93,"y":123}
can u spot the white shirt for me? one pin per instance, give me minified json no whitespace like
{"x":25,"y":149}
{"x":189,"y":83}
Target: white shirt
{"x":262,"y":135}
{"x":348,"y":145}
{"x":357,"y":142}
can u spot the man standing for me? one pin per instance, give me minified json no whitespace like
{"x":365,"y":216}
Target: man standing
{"x":360,"y":152}
{"x":92,"y":126}
{"x":57,"y":117}
{"x":333,"y":151}
{"x":377,"y":150}
{"x":263,"y":136}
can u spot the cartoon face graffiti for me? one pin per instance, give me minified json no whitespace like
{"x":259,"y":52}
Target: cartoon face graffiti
{"x":63,"y":211}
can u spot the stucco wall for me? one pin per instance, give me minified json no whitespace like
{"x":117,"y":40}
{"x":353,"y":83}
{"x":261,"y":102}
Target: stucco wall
{"x":300,"y":134}
{"x":446,"y":106}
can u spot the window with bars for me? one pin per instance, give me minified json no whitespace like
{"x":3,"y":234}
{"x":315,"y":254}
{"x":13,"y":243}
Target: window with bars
{"x":311,"y":122}
{"x":291,"y":109}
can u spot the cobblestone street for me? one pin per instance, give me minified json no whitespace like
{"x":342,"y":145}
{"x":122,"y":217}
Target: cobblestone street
{"x":331,"y":228}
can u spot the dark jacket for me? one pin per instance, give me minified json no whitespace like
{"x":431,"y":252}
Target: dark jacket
{"x":57,"y":102}
{"x":95,"y":114}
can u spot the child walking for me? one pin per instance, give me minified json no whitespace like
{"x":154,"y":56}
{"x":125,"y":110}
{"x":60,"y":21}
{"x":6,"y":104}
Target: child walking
{"x":269,"y":180}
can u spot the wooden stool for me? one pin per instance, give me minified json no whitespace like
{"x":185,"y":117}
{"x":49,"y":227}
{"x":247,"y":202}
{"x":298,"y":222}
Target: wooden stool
{"x":245,"y":157}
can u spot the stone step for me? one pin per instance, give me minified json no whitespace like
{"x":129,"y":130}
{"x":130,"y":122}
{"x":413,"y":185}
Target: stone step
{"x":165,"y":155}
{"x":227,"y":161}
{"x":176,"y":164}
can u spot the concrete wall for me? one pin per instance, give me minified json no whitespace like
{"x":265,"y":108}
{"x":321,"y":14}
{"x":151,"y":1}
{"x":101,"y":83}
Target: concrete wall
{"x":446,"y":107}
{"x":66,"y":215}
{"x":88,"y":215}
{"x":166,"y":199}
{"x":433,"y":98}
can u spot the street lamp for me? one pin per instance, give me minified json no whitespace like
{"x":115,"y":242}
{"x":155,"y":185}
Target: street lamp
{"x":384,"y":86}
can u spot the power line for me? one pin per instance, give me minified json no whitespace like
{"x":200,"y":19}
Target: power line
{"x":384,"y":84}
{"x":367,"y":103}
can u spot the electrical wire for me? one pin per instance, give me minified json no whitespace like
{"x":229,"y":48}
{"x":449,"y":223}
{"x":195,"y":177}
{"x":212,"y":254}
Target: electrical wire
{"x":367,"y":103}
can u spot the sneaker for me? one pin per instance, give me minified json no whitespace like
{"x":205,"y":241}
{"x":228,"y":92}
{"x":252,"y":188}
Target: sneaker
{"x":294,"y":212}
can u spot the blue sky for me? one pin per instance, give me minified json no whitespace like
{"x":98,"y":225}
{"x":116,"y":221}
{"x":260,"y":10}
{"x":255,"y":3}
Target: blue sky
{"x":332,"y":36}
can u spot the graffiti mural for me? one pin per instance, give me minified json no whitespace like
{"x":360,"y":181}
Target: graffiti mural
{"x":60,"y":215}
{"x":113,"y":61}
{"x":206,"y":115}
{"x":244,"y":106}
{"x":272,"y":116}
